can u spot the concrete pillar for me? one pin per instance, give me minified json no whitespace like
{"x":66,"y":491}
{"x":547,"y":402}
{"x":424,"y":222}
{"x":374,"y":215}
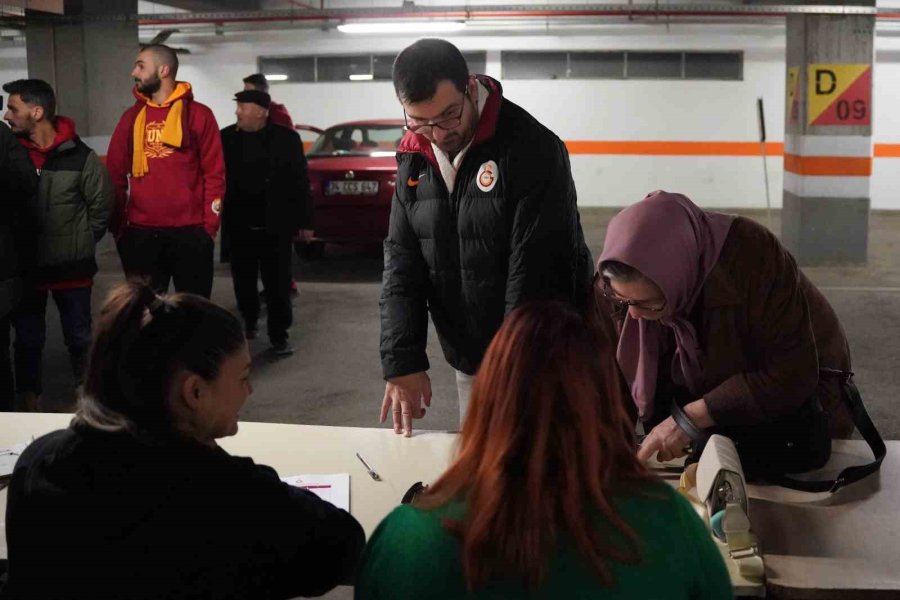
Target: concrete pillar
{"x":87,"y":58}
{"x":828,"y":138}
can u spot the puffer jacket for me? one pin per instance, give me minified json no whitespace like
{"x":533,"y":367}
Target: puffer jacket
{"x":508,"y":233}
{"x":73,"y":206}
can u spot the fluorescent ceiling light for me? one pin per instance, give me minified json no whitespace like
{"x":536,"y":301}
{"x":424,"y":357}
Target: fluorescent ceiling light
{"x":362,"y":77}
{"x":276,"y":77}
{"x":415,"y":27}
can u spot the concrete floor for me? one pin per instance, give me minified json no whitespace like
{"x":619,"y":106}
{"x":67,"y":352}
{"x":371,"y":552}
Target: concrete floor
{"x":335,"y":378}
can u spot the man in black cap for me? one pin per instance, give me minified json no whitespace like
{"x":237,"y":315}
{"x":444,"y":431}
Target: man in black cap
{"x":266,"y":202}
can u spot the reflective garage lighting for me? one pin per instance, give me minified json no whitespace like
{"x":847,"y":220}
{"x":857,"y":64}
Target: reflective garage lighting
{"x":276,"y":77}
{"x":405,"y":27}
{"x":362,"y":77}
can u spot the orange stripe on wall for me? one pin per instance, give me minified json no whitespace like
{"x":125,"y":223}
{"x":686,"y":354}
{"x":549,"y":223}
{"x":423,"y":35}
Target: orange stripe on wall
{"x":852,"y":166}
{"x":887,"y":150}
{"x":587,"y":147}
{"x":659,"y":148}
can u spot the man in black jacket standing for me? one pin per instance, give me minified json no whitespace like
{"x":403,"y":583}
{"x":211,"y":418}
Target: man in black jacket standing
{"x":484,"y":218}
{"x":18,"y":182}
{"x":266,"y":202}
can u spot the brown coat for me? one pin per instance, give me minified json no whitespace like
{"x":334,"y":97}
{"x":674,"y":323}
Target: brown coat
{"x":764,"y":331}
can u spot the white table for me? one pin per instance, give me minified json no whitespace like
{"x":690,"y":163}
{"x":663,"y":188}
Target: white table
{"x":824,"y":546}
{"x":814,"y":544}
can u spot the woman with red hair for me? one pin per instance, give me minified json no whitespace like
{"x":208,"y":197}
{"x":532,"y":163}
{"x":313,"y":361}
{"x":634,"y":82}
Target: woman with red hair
{"x":546,"y":498}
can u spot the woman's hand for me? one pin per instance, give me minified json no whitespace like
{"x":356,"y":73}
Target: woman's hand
{"x":667,"y":440}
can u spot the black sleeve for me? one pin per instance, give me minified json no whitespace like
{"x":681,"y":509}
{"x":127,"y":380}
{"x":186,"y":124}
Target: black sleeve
{"x":316,"y":546}
{"x":16,"y":172}
{"x":404,"y":307}
{"x":547,"y":245}
{"x":299,"y":170}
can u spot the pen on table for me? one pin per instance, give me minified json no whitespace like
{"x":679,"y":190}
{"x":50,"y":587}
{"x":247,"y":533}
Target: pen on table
{"x":371,"y":471}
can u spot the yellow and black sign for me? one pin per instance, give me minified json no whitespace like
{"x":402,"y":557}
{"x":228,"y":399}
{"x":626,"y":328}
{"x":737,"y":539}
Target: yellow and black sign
{"x":839,"y":94}
{"x":792,"y":87}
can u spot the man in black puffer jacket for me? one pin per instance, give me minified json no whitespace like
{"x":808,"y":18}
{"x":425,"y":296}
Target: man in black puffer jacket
{"x":484,"y":219}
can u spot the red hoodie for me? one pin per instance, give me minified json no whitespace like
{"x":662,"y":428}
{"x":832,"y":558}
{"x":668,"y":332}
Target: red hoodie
{"x":183,"y":186}
{"x":65,"y":131}
{"x":278,"y":115}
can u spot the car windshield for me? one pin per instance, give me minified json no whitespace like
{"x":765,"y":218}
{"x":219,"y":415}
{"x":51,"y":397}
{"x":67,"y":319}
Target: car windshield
{"x":358,"y":140}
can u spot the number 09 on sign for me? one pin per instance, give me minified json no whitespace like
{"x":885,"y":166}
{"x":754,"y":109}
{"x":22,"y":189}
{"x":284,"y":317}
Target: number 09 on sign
{"x":839,"y":94}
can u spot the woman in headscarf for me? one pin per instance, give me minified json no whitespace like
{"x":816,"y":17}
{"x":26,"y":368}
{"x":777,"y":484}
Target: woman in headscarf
{"x":720,"y":331}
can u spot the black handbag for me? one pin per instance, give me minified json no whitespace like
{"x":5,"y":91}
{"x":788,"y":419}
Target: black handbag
{"x":793,"y":444}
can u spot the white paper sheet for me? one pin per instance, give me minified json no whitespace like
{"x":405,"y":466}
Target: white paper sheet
{"x":334,"y":488}
{"x":9,"y":456}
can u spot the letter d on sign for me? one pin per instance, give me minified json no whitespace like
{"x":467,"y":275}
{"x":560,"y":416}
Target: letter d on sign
{"x":825,"y":77}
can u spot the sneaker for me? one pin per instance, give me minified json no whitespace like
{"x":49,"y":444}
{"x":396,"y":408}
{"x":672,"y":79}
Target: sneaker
{"x":251,"y":331}
{"x":282,"y":348}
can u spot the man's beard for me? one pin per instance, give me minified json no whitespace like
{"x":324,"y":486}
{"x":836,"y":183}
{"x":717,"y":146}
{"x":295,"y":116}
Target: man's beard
{"x":24,"y":131}
{"x":150,"y":87}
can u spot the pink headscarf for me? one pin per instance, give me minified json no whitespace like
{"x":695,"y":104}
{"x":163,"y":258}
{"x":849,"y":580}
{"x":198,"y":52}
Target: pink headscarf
{"x":675,"y":244}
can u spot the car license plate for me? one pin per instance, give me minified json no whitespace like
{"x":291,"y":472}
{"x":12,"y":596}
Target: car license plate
{"x":351,"y":188}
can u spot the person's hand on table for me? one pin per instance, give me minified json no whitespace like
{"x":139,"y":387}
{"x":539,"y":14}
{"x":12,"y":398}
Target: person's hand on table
{"x":403,"y":397}
{"x":668,"y":441}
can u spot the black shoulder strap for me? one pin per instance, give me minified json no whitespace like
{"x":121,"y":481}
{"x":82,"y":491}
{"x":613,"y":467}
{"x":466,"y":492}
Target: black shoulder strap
{"x":866,"y":428}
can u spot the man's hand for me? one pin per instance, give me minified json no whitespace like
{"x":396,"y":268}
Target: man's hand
{"x":403,"y":397}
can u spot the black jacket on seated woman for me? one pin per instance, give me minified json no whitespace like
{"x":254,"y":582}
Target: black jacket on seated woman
{"x":135,"y":500}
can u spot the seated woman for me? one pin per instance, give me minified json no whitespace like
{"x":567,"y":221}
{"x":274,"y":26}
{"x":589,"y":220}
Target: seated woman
{"x":135,"y":500}
{"x":546,"y":498}
{"x":717,"y":320}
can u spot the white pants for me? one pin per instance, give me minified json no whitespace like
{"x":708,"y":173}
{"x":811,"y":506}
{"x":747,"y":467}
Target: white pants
{"x":464,"y":390}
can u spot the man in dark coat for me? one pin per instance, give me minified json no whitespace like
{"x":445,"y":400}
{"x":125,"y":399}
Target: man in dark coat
{"x":266,"y":202}
{"x":484,"y":218}
{"x":18,"y":182}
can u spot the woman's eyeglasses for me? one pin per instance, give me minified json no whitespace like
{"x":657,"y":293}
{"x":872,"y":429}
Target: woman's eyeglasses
{"x":602,"y":284}
{"x":425,"y":127}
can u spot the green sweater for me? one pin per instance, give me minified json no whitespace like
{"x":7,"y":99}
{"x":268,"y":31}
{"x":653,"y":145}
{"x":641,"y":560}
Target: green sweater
{"x":411,"y":556}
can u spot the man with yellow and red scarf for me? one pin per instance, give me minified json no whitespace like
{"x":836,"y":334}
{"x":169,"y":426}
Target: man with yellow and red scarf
{"x":165,"y":160}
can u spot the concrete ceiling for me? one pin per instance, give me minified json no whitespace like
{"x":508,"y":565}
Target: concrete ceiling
{"x":212,"y":5}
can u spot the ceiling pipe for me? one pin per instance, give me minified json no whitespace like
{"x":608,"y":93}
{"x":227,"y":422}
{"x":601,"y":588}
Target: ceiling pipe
{"x":495,"y":12}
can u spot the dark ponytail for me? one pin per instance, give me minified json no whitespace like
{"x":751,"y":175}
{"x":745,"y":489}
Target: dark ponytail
{"x":141,"y":342}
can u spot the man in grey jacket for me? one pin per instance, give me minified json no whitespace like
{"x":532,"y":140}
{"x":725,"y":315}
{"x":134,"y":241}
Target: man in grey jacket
{"x":73,"y":207}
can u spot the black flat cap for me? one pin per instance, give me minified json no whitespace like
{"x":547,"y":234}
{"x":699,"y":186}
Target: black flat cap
{"x":254,"y":96}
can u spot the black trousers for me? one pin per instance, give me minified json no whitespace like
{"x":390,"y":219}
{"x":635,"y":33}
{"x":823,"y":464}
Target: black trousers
{"x":256,"y":253}
{"x":183,"y":255}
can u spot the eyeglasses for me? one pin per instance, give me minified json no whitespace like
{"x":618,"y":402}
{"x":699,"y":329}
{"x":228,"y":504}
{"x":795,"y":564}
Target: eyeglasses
{"x":602,"y":284}
{"x":421,"y":125}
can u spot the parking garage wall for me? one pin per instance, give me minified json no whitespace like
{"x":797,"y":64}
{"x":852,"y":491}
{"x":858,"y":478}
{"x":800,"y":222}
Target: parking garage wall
{"x":626,"y":137}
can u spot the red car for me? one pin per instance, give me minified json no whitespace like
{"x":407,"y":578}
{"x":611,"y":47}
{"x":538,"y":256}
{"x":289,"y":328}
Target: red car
{"x":352,"y":174}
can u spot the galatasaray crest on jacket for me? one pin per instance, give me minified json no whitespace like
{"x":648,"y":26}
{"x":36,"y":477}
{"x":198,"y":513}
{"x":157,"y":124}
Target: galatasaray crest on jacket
{"x":487,"y":176}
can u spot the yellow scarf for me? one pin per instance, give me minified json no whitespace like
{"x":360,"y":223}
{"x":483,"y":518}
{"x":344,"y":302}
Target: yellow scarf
{"x":171,"y":133}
